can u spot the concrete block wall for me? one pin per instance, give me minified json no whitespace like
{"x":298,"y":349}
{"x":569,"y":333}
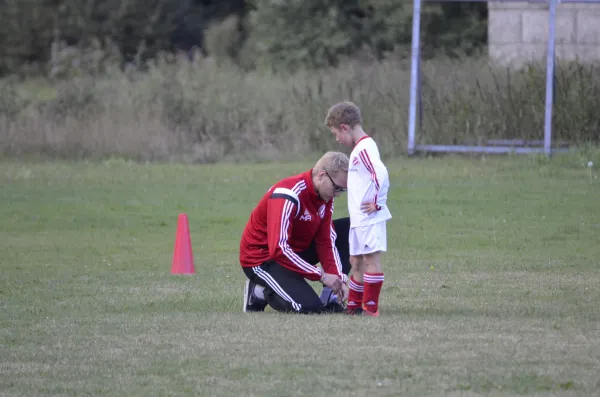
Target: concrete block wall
{"x":518,"y":32}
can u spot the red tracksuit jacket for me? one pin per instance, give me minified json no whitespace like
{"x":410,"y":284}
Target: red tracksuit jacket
{"x":285,"y":221}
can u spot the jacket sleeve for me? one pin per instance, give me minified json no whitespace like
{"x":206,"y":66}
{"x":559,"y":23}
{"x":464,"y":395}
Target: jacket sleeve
{"x":283,"y":206}
{"x":325,"y":245}
{"x":379,"y":175}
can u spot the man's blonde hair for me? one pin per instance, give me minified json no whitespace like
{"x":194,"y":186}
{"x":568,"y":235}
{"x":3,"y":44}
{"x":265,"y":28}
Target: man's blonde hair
{"x":332,"y":162}
{"x":343,"y":113}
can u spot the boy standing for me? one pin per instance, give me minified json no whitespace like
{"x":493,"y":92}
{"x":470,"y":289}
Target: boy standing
{"x":368,"y":184}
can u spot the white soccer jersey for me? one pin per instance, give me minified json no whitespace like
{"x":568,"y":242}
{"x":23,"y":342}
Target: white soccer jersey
{"x":368,"y":181}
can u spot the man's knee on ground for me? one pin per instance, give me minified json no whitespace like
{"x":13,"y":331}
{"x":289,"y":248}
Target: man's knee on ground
{"x":313,"y":306}
{"x":277,"y":302}
{"x":281,"y":305}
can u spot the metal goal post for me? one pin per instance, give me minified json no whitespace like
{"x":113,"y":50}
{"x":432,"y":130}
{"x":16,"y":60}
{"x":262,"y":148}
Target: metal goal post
{"x":499,"y":146}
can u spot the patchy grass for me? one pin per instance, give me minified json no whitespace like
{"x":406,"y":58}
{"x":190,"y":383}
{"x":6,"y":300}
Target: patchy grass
{"x":492,"y":280}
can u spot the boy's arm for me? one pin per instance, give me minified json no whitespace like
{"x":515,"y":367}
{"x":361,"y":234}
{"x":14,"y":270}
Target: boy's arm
{"x":380,"y":177}
{"x":282,"y":208}
{"x":325,"y":245}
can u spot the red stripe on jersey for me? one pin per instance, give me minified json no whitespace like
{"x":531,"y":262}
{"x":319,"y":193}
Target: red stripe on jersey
{"x":364,"y":156}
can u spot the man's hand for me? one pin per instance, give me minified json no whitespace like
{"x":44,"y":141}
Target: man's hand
{"x":343,"y":297}
{"x":332,"y":281}
{"x":369,"y":207}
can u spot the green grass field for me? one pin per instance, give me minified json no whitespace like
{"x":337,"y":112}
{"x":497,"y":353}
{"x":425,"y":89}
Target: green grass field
{"x":492,"y":285}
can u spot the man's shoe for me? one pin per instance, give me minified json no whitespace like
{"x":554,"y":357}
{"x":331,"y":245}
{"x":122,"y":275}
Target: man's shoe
{"x":251,"y":302}
{"x":327,"y":296}
{"x":333,"y":307}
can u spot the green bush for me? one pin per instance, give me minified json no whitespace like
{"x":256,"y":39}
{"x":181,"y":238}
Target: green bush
{"x":204,"y":111}
{"x":11,"y":101}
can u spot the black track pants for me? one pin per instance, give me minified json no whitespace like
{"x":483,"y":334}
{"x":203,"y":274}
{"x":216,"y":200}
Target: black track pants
{"x":286,"y":290}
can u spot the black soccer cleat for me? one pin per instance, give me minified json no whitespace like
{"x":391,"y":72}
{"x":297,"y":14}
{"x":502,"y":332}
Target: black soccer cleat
{"x":333,"y":307}
{"x":251,"y":302}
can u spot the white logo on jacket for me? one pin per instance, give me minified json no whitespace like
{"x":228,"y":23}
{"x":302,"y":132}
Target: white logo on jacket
{"x":322,"y":211}
{"x":306,"y":217}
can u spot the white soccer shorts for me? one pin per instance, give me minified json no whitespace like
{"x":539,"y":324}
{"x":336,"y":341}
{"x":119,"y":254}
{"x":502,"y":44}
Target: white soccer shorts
{"x":368,"y":239}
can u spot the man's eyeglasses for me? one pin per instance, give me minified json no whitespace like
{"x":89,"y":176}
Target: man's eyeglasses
{"x":336,"y":188}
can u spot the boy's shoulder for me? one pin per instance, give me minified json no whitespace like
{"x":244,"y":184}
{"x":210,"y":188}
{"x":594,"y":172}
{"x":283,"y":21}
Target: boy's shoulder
{"x":367,"y":143}
{"x":367,"y":140}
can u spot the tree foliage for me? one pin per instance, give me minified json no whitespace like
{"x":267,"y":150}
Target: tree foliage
{"x":279,"y":34}
{"x":315,"y":33}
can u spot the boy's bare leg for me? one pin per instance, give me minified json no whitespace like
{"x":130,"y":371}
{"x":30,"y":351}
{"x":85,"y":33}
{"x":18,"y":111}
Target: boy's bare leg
{"x":372,"y":262}
{"x":373,"y":280}
{"x":355,"y":297}
{"x":357,"y":267}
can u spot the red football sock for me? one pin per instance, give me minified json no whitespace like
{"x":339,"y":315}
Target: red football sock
{"x":355,"y":297}
{"x":373,"y":283}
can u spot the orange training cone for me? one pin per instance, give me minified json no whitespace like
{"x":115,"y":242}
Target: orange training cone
{"x":183,"y":258}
